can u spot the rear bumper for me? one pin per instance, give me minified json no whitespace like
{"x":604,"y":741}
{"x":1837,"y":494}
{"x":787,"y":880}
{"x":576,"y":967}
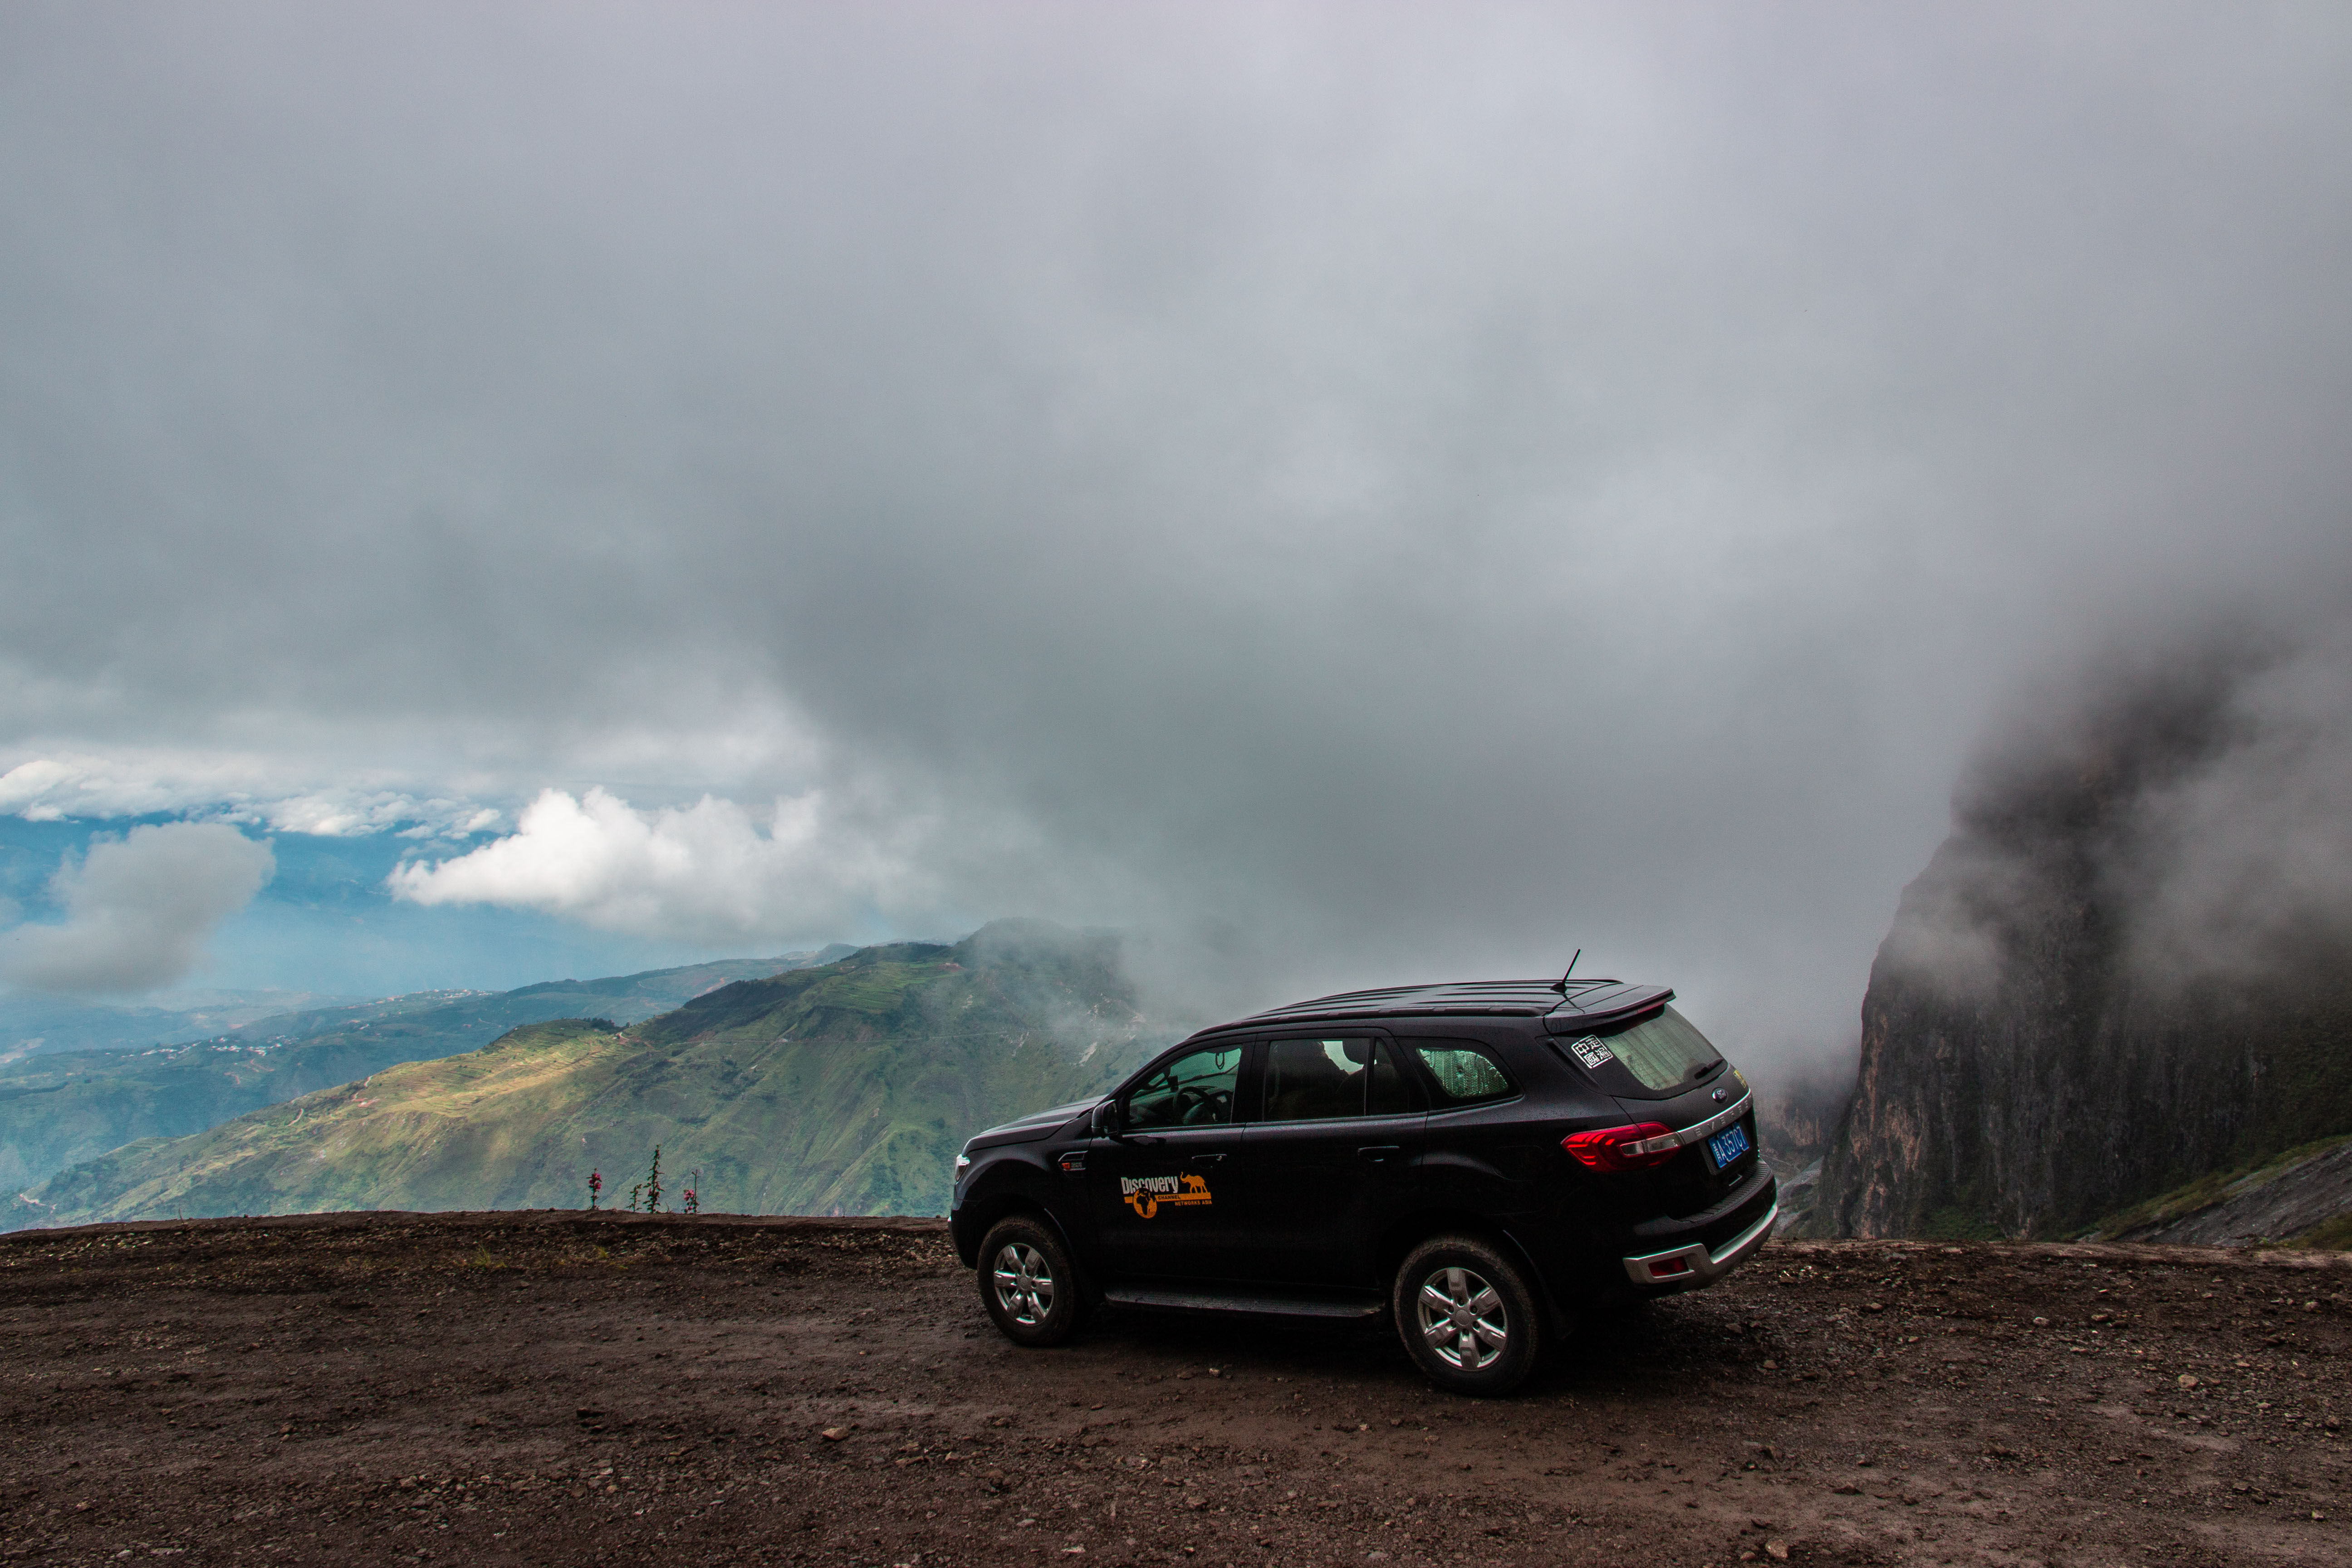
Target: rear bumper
{"x":1689,"y":1266}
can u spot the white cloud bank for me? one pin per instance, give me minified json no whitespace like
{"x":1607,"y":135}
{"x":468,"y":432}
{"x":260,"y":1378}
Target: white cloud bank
{"x":90,"y":786}
{"x":138,"y":909}
{"x":707,"y":871}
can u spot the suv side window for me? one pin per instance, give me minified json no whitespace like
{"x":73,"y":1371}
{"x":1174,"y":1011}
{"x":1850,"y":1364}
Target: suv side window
{"x":1314,"y":1080}
{"x":1464,"y":1073}
{"x":1392,"y":1092}
{"x":1195,"y":1090}
{"x":1320,"y":1080}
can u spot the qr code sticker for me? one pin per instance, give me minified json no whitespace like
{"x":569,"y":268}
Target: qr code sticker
{"x":1591,"y":1051}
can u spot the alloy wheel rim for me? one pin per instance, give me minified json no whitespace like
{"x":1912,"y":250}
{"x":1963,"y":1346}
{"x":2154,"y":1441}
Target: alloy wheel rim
{"x":1024,"y":1283}
{"x":1462,"y":1318}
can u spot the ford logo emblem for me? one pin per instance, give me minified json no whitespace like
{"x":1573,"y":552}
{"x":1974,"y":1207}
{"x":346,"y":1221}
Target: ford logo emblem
{"x":1720,"y":1096}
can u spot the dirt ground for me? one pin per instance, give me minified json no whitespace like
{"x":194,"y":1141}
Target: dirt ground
{"x":558,"y":1389}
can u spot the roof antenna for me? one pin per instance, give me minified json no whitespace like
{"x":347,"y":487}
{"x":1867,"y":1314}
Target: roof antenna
{"x":1561,"y":984}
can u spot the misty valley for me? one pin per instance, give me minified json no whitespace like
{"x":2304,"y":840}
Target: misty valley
{"x":2024,"y":1072}
{"x":2108,"y":1007}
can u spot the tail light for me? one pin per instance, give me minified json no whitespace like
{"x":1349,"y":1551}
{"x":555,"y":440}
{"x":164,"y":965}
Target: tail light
{"x":1641,"y":1147}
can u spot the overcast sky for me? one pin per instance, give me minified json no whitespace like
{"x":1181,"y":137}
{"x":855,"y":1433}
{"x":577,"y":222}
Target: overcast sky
{"x":1357,"y":493}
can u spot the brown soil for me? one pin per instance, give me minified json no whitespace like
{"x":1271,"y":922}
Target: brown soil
{"x":559,"y":1389}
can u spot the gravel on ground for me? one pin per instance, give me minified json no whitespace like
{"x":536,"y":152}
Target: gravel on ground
{"x":563,"y":1389}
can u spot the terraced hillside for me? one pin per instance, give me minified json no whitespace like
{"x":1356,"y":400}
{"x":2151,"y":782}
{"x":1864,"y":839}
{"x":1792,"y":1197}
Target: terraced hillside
{"x":841,"y":1088}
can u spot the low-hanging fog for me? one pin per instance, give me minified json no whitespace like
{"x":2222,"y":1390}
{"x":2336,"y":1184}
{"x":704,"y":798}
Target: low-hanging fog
{"x":1347,"y":493}
{"x":2185,"y":794}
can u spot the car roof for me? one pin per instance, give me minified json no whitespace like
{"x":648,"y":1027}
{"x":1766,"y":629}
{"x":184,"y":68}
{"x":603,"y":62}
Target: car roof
{"x":1581,"y":1002}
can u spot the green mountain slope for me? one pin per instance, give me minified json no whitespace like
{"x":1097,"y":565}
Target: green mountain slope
{"x":845,"y":1087}
{"x":624,"y":998}
{"x":60,"y":1109}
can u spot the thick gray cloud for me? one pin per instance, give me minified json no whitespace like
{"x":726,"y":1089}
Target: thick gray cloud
{"x":138,"y":909}
{"x":2192,"y":786}
{"x":1362,"y":492}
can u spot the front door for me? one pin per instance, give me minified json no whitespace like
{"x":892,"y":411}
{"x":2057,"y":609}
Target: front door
{"x":1170,"y":1193}
{"x":1336,"y":1151}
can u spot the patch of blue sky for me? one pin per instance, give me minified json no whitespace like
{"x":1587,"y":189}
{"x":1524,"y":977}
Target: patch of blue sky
{"x":325,"y":923}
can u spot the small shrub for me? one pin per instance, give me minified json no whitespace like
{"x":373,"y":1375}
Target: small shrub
{"x":646,"y":1194}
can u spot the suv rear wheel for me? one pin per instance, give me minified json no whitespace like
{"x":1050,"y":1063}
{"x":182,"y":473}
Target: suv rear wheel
{"x":1027,"y":1282}
{"x":1466,"y":1315}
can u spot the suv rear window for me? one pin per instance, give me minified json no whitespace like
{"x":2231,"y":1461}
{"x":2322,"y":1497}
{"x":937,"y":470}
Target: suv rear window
{"x":1661,"y":1051}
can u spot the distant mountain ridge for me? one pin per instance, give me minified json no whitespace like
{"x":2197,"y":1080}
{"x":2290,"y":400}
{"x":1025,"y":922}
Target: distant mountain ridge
{"x":846,"y":1087}
{"x":58,"y":1108}
{"x":32,"y":1024}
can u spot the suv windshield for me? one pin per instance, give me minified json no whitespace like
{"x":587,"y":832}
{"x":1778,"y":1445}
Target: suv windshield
{"x":1661,"y":1051}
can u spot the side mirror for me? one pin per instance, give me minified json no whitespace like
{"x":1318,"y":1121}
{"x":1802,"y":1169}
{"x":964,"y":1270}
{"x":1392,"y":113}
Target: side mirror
{"x":1105,"y":1121}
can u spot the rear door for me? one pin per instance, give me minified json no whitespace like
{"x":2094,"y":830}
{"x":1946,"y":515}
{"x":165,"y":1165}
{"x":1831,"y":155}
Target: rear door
{"x":1486,"y":1149}
{"x":1335,"y":1154}
{"x":1171,"y":1195}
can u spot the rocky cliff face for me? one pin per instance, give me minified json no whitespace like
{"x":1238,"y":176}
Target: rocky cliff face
{"x":2125,"y":968}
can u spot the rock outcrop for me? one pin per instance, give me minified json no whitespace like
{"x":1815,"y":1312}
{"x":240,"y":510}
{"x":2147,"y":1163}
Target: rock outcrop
{"x":2288,"y":1200}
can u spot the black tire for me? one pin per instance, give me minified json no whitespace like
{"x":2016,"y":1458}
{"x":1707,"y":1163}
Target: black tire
{"x":1486,"y":1336}
{"x":1028,"y":1283}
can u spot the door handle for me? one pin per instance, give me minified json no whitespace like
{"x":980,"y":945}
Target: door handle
{"x":1203,"y":1159}
{"x":1377,"y":1152}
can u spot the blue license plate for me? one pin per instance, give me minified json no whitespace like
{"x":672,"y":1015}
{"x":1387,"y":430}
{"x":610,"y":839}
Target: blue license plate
{"x":1728,"y":1145}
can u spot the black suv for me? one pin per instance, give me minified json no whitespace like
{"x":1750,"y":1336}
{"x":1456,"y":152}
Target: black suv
{"x":1478,"y":1159}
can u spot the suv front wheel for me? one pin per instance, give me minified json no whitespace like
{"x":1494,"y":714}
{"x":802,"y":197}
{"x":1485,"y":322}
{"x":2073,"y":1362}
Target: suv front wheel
{"x":1466,"y":1315}
{"x":1027,"y":1282}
